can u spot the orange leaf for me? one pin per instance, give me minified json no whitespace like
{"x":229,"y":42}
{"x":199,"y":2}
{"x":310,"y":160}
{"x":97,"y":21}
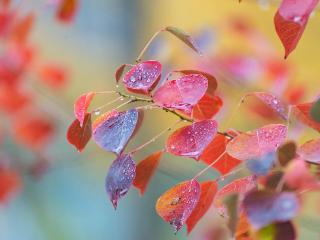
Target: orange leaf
{"x":243,"y":228}
{"x":177,"y":204}
{"x":23,"y":28}
{"x":208,"y":191}
{"x":10,"y":183}
{"x":207,"y":107}
{"x":67,"y":10}
{"x":145,"y":170}
{"x":53,"y":75}
{"x":78,"y":135}
{"x":214,"y":150}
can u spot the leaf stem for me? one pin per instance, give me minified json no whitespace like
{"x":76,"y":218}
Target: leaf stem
{"x":139,"y":58}
{"x":155,"y":137}
{"x":209,"y":166}
{"x":98,"y":109}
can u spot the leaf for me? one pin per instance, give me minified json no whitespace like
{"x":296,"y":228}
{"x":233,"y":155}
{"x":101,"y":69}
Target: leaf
{"x":298,"y":176}
{"x":208,"y":191}
{"x":265,"y":207}
{"x":273,"y":103}
{"x":33,"y":131}
{"x":54,"y":75}
{"x":291,"y":20}
{"x":120,"y":178}
{"x":243,"y":228}
{"x":67,"y":10}
{"x":231,"y":202}
{"x":302,"y":113}
{"x":315,"y":111}
{"x":81,"y":106}
{"x":184,"y":37}
{"x":10,"y":184}
{"x":256,"y":143}
{"x":191,"y":140}
{"x":277,"y":231}
{"x":22,"y":29}
{"x":119,"y":72}
{"x":212,"y":81}
{"x":143,"y":77}
{"x":310,"y":151}
{"x":286,"y":153}
{"x":239,"y":186}
{"x":78,"y":135}
{"x":13,"y":99}
{"x":181,"y":94}
{"x":214,"y":150}
{"x":262,"y":165}
{"x":206,"y":108}
{"x":177,"y":204}
{"x":112,"y":131}
{"x":145,"y":170}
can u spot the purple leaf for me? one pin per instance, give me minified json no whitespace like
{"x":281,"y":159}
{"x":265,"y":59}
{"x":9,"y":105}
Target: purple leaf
{"x":262,"y":165}
{"x":120,"y":177}
{"x":265,"y":207}
{"x":113,"y":131}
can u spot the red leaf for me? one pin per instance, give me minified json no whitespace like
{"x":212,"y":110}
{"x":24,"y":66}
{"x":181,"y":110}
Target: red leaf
{"x":10,"y":184}
{"x":13,"y":99}
{"x":78,"y":135}
{"x":291,"y":20}
{"x":183,"y":93}
{"x":190,"y":141}
{"x":22,"y":29}
{"x":143,"y":77}
{"x":177,"y":204}
{"x":34,"y":132}
{"x":208,"y":191}
{"x":272,"y":102}
{"x":81,"y":106}
{"x":239,"y":186}
{"x":207,"y":107}
{"x":212,"y":81}
{"x":310,"y":151}
{"x":145,"y":170}
{"x":67,"y":10}
{"x":119,"y":72}
{"x":256,"y":143}
{"x":214,"y":150}
{"x":302,"y":112}
{"x":53,"y":75}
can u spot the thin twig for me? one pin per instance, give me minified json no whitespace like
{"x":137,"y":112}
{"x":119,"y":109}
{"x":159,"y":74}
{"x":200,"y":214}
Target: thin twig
{"x":98,"y":109}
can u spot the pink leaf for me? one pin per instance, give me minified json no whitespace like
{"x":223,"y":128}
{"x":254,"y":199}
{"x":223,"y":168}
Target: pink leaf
{"x":81,"y":106}
{"x":183,"y":93}
{"x":291,"y":20}
{"x":190,"y":141}
{"x":310,"y":151}
{"x":256,"y":143}
{"x":143,"y":77}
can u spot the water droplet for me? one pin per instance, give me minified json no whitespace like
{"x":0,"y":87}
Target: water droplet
{"x":97,"y":112}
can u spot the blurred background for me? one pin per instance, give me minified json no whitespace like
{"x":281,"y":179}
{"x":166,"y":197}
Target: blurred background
{"x":60,"y":194}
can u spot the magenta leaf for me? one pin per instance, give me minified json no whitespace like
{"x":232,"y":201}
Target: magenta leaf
{"x":143,"y":77}
{"x":272,"y":102}
{"x":183,"y":93}
{"x":256,"y":143}
{"x":190,"y":141}
{"x":120,"y":177}
{"x":265,"y":207}
{"x":113,"y":131}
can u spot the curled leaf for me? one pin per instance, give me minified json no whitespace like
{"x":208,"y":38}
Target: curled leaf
{"x":78,"y":135}
{"x":81,"y":106}
{"x":208,"y":191}
{"x":310,"y":151}
{"x":256,"y":143}
{"x":120,"y":177}
{"x":184,"y":37}
{"x":181,"y":94}
{"x":112,"y":131}
{"x":143,"y":77}
{"x":190,"y":141}
{"x":177,"y":204}
{"x":145,"y":170}
{"x":266,"y":207}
